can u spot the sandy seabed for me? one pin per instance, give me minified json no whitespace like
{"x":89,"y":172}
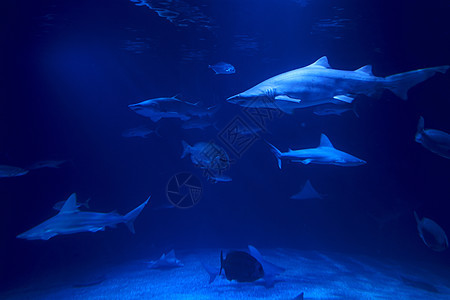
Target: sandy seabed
{"x":319,"y":275}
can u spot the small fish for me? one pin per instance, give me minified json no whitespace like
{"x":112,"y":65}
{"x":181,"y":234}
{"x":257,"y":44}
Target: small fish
{"x":54,"y":164}
{"x":307,"y":192}
{"x":166,"y":261}
{"x":140,"y":131}
{"x":58,"y":205}
{"x":11,"y":171}
{"x":208,"y":156}
{"x":434,"y":140}
{"x":431,"y":234}
{"x":215,"y":178}
{"x":223,"y":68}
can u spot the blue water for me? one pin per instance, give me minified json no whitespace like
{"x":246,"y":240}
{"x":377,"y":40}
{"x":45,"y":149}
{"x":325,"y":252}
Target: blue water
{"x":70,"y":69}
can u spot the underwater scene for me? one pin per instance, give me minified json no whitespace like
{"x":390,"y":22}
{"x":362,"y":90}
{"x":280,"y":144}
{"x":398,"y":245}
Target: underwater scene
{"x":225,"y":149}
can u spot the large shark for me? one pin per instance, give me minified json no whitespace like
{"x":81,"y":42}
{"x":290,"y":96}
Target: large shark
{"x":318,"y":83}
{"x":325,"y":154}
{"x":71,"y":220}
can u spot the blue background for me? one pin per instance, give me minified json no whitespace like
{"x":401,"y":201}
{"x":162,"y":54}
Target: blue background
{"x":68,"y":76}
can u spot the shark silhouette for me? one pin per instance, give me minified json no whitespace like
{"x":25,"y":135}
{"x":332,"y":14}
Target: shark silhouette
{"x":325,"y":154}
{"x":71,"y":220}
{"x":318,"y":83}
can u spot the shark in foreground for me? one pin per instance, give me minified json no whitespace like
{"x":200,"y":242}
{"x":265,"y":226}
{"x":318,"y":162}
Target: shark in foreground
{"x":325,"y":154}
{"x":71,"y":220}
{"x":318,"y":84}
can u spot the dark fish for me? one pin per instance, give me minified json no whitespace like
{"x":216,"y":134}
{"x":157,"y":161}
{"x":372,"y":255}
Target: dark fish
{"x":431,"y":234}
{"x":432,"y":139}
{"x":222,"y":68}
{"x":241,"y":266}
{"x":209,"y":156}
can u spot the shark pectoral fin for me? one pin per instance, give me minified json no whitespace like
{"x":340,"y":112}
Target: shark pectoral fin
{"x":48,"y":236}
{"x":155,"y":118}
{"x":344,"y":98}
{"x":95,"y":229}
{"x":287,"y":98}
{"x":306,"y":161}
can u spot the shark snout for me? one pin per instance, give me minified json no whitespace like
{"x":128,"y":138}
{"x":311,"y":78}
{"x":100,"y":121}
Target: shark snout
{"x":235,"y":99}
{"x":135,"y":107}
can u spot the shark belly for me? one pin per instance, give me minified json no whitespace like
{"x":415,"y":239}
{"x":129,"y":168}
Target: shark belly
{"x":323,"y":86}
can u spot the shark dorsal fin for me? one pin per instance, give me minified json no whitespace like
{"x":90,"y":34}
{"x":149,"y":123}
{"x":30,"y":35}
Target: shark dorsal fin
{"x":325,"y":141}
{"x":70,"y":205}
{"x":321,"y":63}
{"x":170,"y":254}
{"x":365,"y":69}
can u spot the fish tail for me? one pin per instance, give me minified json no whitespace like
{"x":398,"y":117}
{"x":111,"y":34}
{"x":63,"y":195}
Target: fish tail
{"x":186,"y":149}
{"x":276,"y":152}
{"x":132,"y":215}
{"x":221,"y":262}
{"x":399,"y":84}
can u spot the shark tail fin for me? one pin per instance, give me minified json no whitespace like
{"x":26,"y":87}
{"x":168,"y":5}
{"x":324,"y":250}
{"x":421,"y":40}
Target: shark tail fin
{"x":399,"y":84}
{"x":132,"y":215}
{"x":221,"y":262}
{"x":276,"y":152}
{"x":186,"y":149}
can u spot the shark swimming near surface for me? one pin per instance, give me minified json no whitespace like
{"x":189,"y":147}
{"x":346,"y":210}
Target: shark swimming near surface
{"x":71,"y":220}
{"x":318,"y":84}
{"x":325,"y":154}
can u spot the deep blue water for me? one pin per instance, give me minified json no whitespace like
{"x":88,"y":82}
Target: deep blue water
{"x":69,"y":70}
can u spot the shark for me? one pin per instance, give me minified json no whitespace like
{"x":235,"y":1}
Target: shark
{"x":170,"y":107}
{"x":325,"y":154}
{"x":71,"y":220}
{"x":318,"y":84}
